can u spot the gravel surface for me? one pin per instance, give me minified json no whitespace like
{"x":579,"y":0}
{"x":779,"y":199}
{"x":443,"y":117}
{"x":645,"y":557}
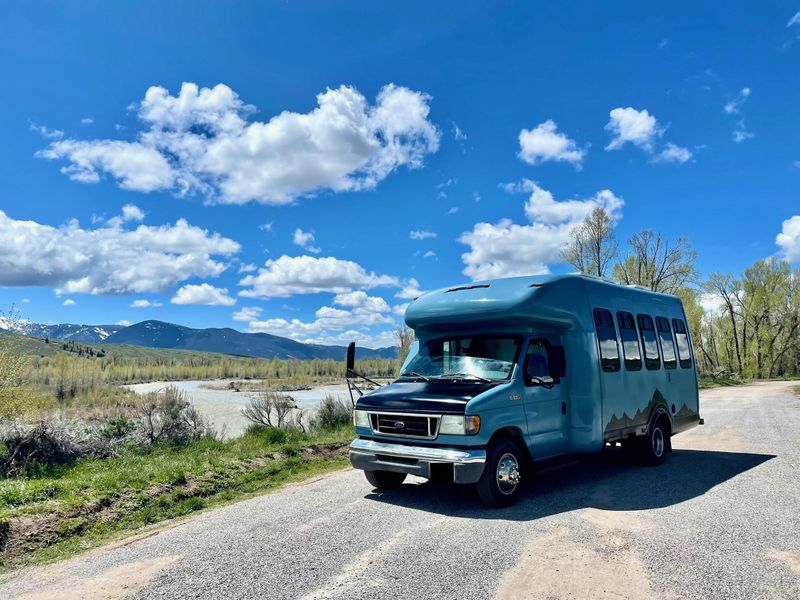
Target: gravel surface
{"x":721,"y":519}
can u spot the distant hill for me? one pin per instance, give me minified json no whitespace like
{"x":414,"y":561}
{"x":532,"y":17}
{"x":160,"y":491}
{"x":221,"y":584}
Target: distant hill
{"x":158,"y":334}
{"x":85,"y":334}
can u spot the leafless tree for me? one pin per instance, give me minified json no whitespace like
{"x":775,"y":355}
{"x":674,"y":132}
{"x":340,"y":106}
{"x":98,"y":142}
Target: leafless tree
{"x":404,"y":336}
{"x":270,"y":409}
{"x":593,"y":244}
{"x":657,"y":264}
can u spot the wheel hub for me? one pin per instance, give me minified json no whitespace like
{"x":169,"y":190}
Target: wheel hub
{"x":658,"y":441}
{"x":507,"y":473}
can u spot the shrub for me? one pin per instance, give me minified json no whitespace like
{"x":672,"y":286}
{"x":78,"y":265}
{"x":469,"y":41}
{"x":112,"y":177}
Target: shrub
{"x":166,"y":416}
{"x":272,"y":409}
{"x":332,"y":413}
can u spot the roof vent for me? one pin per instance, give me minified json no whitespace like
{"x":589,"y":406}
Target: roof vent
{"x":469,"y":287}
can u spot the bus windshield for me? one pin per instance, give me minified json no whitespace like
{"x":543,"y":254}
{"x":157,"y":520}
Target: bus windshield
{"x":478,"y":358}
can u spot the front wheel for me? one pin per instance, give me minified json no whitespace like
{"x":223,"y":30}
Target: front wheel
{"x":385,"y":480}
{"x":501,"y":480}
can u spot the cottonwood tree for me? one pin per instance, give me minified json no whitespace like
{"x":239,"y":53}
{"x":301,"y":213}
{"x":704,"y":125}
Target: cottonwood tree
{"x":593,"y":244}
{"x":404,"y":336}
{"x":657,"y":264}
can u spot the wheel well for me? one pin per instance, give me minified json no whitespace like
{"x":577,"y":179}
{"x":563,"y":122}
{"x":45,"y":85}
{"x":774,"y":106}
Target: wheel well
{"x":660,"y":415}
{"x":515,"y":435}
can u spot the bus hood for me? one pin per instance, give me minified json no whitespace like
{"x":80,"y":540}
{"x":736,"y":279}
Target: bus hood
{"x":424,"y":396}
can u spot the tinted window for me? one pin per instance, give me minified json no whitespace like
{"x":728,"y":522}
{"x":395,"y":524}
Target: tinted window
{"x":607,"y":339}
{"x":649,"y":342}
{"x":682,"y":340}
{"x":667,"y":345}
{"x":630,"y":341}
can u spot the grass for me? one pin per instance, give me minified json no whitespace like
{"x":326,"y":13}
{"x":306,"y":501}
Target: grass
{"x":705,"y":382}
{"x":76,"y":507}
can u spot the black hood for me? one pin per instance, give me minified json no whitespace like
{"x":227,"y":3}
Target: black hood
{"x":424,"y":396}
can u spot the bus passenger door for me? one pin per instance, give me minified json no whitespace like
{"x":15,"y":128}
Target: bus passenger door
{"x":545,"y":401}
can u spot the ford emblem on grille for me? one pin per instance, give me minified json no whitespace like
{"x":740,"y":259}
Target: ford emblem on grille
{"x":399,"y":424}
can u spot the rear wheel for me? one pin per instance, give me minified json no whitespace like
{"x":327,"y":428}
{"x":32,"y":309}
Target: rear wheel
{"x":501,"y":480}
{"x":385,"y":480}
{"x":653,"y":446}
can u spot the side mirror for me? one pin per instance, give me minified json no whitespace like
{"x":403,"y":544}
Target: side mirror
{"x":351,"y":356}
{"x":558,"y":361}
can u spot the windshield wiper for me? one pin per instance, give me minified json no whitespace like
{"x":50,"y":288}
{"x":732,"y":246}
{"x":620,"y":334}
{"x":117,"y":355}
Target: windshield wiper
{"x":464,"y":376}
{"x":414,"y":374}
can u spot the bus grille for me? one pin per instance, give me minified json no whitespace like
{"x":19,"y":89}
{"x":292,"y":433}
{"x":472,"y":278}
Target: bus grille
{"x":405,"y":425}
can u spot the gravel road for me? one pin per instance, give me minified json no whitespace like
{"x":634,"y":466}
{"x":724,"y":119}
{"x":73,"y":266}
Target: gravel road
{"x":721,"y":519}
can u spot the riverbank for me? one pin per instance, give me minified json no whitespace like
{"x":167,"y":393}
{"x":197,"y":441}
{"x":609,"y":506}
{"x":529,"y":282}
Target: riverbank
{"x":72,"y":508}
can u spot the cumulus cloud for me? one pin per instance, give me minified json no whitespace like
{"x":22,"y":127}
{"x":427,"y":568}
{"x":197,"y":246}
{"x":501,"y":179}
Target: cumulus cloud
{"x":142,"y":303}
{"x":201,"y":141}
{"x":740,"y":133}
{"x":305,"y":239}
{"x":203,"y":293}
{"x":46,"y":132}
{"x":247,"y":313}
{"x":290,"y":275}
{"x":68,"y":302}
{"x":546,"y":143}
{"x":110,"y":259}
{"x":421,"y":235}
{"x":672,"y":154}
{"x":131,"y":212}
{"x":334,"y":325}
{"x":506,"y":248}
{"x":638,"y":127}
{"x":411,"y":290}
{"x":789,"y":239}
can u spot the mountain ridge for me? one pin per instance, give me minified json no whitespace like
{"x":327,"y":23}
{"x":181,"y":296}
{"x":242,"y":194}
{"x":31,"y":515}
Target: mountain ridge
{"x":160,"y":334}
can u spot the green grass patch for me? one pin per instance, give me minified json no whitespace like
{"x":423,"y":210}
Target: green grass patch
{"x":69,"y":509}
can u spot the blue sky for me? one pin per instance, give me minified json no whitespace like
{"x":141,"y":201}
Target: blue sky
{"x":312,"y":139}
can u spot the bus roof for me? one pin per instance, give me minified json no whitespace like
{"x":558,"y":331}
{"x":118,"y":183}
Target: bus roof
{"x":514,"y":299}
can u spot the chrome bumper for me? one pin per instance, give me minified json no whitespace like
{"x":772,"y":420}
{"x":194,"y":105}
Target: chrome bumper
{"x":369,"y":455}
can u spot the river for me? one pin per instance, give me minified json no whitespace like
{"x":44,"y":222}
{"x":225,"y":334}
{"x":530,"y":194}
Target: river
{"x":223,"y":407}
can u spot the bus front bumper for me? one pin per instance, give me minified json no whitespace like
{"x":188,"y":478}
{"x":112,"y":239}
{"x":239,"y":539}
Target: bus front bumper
{"x":423,"y":461}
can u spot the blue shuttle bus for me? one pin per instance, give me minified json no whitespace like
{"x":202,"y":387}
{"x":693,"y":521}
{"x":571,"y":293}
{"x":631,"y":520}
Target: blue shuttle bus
{"x":511,"y":371}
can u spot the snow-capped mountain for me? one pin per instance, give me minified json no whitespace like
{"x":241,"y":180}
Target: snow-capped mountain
{"x":87,"y":334}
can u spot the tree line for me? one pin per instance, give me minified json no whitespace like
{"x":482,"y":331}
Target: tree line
{"x":747,"y":325}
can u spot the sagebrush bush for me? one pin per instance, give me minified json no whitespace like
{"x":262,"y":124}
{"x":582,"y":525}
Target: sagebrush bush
{"x":332,"y":413}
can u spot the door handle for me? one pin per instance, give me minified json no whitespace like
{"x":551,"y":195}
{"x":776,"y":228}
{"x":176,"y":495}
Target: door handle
{"x":563,"y":408}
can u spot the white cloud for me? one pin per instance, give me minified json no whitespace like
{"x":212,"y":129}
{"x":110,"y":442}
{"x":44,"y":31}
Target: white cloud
{"x":421,"y":235}
{"x":411,"y":291}
{"x":131,"y":212}
{"x":203,"y":294}
{"x":452,"y":210}
{"x":400,"y":309}
{"x":735,"y":105}
{"x":458,"y":134}
{"x":672,"y":154}
{"x":334,"y":325}
{"x":141,"y":303}
{"x":740,"y":134}
{"x":266,"y":227}
{"x":638,"y":127}
{"x":305,"y":239}
{"x":248,"y":313}
{"x":26,"y":300}
{"x":545,"y":143}
{"x":124,"y":322}
{"x":109,"y":259}
{"x":789,"y":239}
{"x":87,"y":121}
{"x":68,"y":302}
{"x":200,"y":141}
{"x":247,"y":268}
{"x":505,"y":248}
{"x":795,"y":20}
{"x":290,"y":275}
{"x":47,"y":133}
{"x":711,"y":303}
{"x":429,"y":254}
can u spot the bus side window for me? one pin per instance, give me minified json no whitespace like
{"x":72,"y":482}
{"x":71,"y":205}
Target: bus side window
{"x":667,"y":344}
{"x":682,"y":339}
{"x":648,"y":332}
{"x":630,"y":341}
{"x":607,"y":339}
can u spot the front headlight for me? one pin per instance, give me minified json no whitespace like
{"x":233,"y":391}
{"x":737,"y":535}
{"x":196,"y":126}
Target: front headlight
{"x":460,"y":425}
{"x":361,"y":418}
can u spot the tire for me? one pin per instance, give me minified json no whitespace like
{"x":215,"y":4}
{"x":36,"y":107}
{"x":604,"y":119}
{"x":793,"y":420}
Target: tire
{"x":385,"y":480}
{"x":653,"y":446}
{"x":503,"y":474}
